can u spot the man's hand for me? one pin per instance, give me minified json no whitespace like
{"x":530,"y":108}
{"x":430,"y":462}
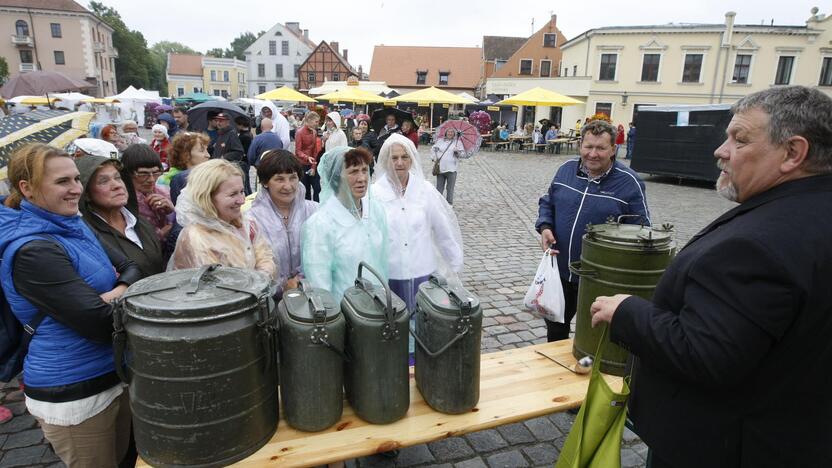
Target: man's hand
{"x":546,"y":239}
{"x":604,"y":307}
{"x":291,"y":283}
{"x":114,"y":293}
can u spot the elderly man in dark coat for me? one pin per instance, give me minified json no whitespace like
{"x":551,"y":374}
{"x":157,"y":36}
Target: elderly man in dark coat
{"x":735,"y":351}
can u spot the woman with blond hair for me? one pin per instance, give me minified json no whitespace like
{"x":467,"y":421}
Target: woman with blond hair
{"x":60,"y":281}
{"x":214,"y":229}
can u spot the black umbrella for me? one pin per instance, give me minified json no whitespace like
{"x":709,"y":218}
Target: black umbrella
{"x":379,"y":117}
{"x":198,"y":115}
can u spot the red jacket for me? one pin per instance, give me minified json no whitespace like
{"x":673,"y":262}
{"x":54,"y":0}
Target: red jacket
{"x":619,"y":139}
{"x":161,"y":149}
{"x":414,"y":137}
{"x":307,"y":146}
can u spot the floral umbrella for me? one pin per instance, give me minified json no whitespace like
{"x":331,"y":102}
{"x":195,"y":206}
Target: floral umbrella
{"x":466,"y":133}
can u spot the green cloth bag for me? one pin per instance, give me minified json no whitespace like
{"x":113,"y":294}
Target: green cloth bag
{"x":595,"y":438}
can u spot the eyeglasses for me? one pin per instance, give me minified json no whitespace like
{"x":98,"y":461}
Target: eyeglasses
{"x":143,"y":175}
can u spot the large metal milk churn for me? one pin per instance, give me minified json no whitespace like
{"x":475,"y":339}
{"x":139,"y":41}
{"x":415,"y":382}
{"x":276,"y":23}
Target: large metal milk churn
{"x":311,"y":339}
{"x":376,"y":377}
{"x":447,"y":334}
{"x":617,"y":258}
{"x":200,"y":354}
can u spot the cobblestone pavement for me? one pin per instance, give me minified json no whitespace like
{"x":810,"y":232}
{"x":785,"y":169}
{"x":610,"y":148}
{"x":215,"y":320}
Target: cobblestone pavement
{"x":496,"y":202}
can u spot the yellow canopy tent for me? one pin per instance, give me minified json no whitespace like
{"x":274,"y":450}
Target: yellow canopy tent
{"x":540,"y":97}
{"x":100,"y":100}
{"x":430,"y":96}
{"x":285,"y":93}
{"x":39,"y":101}
{"x":351,"y":94}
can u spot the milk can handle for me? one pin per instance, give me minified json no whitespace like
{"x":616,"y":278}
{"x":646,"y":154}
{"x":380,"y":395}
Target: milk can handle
{"x":316,"y":306}
{"x":442,"y":283}
{"x":388,"y":309}
{"x":196,"y":280}
{"x":120,"y":343}
{"x":575,"y":267}
{"x":441,"y":350}
{"x":643,"y":218}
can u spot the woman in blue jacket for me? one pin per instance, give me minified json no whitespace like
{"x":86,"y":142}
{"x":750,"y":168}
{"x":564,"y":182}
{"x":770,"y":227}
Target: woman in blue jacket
{"x":59,"y":280}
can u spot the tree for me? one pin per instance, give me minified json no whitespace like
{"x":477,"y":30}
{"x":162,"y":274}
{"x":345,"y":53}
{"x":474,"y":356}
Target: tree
{"x":159,"y":61}
{"x":134,"y":64}
{"x":4,"y":70}
{"x":241,"y":43}
{"x":216,"y":52}
{"x":165,"y":47}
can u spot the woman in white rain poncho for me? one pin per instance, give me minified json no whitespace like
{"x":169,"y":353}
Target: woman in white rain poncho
{"x":349,"y":226}
{"x":424,"y":235}
{"x":214,"y":229}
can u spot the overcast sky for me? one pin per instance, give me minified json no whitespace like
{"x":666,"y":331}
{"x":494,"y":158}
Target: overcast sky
{"x":358,"y":25}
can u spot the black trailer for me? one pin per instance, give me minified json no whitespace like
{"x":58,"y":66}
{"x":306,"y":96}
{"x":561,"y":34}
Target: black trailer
{"x":680,"y":140}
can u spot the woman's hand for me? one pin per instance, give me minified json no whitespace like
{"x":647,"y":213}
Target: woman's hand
{"x":114,"y":293}
{"x":291,"y":283}
{"x":160,"y":203}
{"x":164,"y":231}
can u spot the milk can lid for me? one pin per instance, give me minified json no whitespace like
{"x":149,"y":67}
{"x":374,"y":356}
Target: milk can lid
{"x":370,"y":301}
{"x":303,"y":303}
{"x":196,"y":294}
{"x":448,"y":298}
{"x":615,"y":232}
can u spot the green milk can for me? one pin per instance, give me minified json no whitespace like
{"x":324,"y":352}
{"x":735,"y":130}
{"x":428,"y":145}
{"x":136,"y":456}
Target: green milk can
{"x":447,"y":334}
{"x":376,"y":377}
{"x":311,"y":338}
{"x":617,"y":258}
{"x":200,"y":354}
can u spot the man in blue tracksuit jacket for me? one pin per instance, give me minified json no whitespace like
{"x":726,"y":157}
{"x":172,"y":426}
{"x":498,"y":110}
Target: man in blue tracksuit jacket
{"x":586,"y":190}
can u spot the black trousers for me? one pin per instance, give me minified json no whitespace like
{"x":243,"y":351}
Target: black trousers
{"x":311,"y":183}
{"x":560,"y":331}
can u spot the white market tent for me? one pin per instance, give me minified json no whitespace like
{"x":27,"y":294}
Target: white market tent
{"x":69,"y":100}
{"x":374,"y":87}
{"x":132,"y":101}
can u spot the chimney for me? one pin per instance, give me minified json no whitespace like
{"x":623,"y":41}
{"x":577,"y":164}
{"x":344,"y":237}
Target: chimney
{"x":729,"y":29}
{"x":554,"y":20}
{"x":345,"y":55}
{"x":293,"y":26}
{"x":306,"y":34}
{"x":334,"y":46}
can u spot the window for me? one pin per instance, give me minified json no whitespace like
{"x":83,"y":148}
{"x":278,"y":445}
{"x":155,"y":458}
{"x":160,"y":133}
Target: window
{"x":310,"y":77}
{"x":284,"y":47}
{"x":224,"y":93}
{"x":784,"y":70}
{"x":261,"y":70}
{"x":550,"y":40}
{"x":574,"y":70}
{"x":21,"y":28}
{"x":565,"y":71}
{"x":26,"y":56}
{"x":607,"y":71}
{"x":525,"y":67}
{"x":603,"y":108}
{"x":692,"y":69}
{"x":180,"y":91}
{"x":196,"y":90}
{"x":421,"y":77}
{"x":742,"y":65}
{"x":545,"y":68}
{"x":56,"y":29}
{"x":261,"y":89}
{"x":297,"y":67}
{"x":272,"y":47}
{"x":216,"y":92}
{"x":650,"y":67}
{"x":278,"y":70}
{"x":498,"y":64}
{"x":443,"y":78}
{"x":213,"y":75}
{"x":59,"y":58}
{"x":336,"y":76}
{"x":225,"y":76}
{"x":826,"y":72}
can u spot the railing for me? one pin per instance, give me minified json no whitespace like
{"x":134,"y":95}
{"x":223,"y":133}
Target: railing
{"x":22,"y":40}
{"x":27,"y":67}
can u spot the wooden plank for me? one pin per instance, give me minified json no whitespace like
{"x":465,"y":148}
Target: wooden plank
{"x":515,"y":385}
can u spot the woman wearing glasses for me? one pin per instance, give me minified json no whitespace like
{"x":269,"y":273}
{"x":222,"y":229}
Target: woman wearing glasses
{"x":144,"y":167}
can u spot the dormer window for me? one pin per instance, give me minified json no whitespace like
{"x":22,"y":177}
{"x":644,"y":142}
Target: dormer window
{"x":550,"y":40}
{"x":421,"y":77}
{"x":443,"y":78}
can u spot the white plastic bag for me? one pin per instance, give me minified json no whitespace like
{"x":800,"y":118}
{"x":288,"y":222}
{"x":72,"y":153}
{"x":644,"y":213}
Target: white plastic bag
{"x":545,"y":295}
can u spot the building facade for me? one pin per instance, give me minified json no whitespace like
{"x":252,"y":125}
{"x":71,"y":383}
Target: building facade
{"x":496,"y":50}
{"x":325,"y":63}
{"x":617,"y":70}
{"x":539,"y":56}
{"x":184,"y":74}
{"x":274,"y":58}
{"x":411,"y":68}
{"x":61,"y":36}
{"x":224,"y":77}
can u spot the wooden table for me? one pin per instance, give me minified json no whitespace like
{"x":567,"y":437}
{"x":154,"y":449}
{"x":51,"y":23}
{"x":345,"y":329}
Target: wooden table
{"x":516,"y":385}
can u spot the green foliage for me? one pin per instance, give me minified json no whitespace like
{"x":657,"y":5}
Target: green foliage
{"x":216,"y":52}
{"x":4,"y":70}
{"x":159,"y":61}
{"x":238,"y":46}
{"x":165,"y":47}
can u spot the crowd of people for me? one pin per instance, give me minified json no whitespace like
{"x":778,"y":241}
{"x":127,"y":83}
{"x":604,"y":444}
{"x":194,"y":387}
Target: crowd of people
{"x":740,"y":305}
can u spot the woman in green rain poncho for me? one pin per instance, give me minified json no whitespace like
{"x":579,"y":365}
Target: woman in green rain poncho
{"x":348,"y":228}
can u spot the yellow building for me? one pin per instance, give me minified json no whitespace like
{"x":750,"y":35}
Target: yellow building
{"x":188,"y":74}
{"x":618,"y":69}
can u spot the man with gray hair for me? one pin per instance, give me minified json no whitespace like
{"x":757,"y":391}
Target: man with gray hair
{"x":586,"y":190}
{"x":734,"y":351}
